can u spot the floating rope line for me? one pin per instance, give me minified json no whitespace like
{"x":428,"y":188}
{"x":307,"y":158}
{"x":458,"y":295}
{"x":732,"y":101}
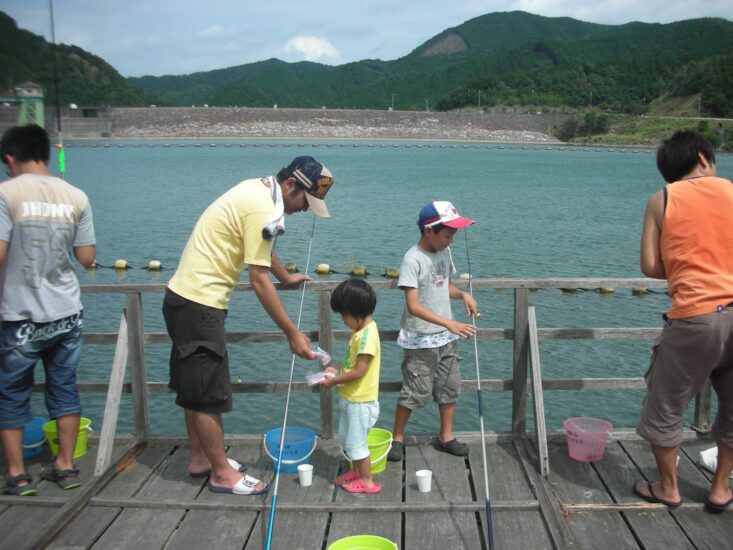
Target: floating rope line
{"x":276,"y":483}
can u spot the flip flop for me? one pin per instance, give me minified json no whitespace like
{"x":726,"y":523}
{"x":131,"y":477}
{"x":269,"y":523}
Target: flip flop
{"x":239,"y":466}
{"x":451,"y":447}
{"x":651,"y":497}
{"x":65,"y":479}
{"x":245,"y":486}
{"x":348,"y":477}
{"x":12,"y":487}
{"x":358,"y":486}
{"x":715,"y":508}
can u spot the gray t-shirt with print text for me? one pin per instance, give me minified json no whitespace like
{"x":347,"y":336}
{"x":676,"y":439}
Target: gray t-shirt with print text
{"x":42,"y":218}
{"x":429,"y":273}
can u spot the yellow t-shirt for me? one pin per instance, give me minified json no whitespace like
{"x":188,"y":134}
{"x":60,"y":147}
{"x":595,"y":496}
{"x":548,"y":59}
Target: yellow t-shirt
{"x":366,"y":388}
{"x":227,"y":236}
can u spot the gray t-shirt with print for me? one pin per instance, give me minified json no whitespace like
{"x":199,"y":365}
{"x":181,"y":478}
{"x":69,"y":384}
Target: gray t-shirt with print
{"x":42,"y":218}
{"x":429,"y":273}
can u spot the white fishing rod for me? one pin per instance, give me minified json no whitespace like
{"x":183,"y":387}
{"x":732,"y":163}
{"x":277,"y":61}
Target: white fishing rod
{"x":489,"y":522}
{"x":287,"y":404}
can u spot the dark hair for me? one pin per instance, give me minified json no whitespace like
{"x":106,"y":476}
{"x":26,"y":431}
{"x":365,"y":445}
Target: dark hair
{"x":678,"y":155}
{"x":354,"y":297}
{"x":26,"y":143}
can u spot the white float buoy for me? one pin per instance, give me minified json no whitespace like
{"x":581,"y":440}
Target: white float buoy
{"x":323,"y":269}
{"x":154,"y":265}
{"x":465,"y":276}
{"x":121,"y":264}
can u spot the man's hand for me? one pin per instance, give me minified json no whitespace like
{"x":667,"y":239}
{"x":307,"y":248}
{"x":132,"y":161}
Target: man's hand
{"x":295,"y":279}
{"x":300,"y":345}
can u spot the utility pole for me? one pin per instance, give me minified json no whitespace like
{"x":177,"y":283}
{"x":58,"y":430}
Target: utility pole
{"x":479,"y":100}
{"x":392,"y":107}
{"x":699,"y":106}
{"x":591,"y":99}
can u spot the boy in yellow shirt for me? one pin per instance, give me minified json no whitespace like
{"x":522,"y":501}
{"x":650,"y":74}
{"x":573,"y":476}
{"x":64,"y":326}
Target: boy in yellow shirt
{"x":358,"y":375}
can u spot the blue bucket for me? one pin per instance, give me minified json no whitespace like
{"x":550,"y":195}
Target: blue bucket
{"x":33,"y":437}
{"x":298,"y":447}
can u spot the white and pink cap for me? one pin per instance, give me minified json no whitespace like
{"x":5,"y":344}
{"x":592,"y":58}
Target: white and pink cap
{"x":441,"y":212}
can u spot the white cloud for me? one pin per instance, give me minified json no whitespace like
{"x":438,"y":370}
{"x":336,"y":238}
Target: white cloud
{"x":215,"y":31}
{"x":312,"y":48}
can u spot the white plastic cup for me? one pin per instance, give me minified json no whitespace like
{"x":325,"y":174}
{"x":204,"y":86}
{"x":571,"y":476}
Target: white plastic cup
{"x":424,"y":480}
{"x":305,"y":473}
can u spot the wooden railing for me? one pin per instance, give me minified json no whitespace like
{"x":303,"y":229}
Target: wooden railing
{"x":131,"y":340}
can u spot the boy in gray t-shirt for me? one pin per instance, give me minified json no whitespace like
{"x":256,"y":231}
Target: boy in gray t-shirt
{"x":428,"y":331}
{"x":43,"y":222}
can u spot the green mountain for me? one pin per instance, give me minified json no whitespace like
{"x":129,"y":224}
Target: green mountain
{"x":513,"y":58}
{"x":84,"y":78}
{"x":506,"y":59}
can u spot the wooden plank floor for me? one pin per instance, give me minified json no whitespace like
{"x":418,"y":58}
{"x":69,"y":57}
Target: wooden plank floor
{"x":148,"y":502}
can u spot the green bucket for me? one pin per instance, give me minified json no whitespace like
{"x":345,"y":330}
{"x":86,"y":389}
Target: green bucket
{"x":52,"y":435}
{"x":379,"y":442}
{"x":363,"y":542}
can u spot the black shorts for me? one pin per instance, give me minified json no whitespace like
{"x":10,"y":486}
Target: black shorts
{"x":199,"y":364}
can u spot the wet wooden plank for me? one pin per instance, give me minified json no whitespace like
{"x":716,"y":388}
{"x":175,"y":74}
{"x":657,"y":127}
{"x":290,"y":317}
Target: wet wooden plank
{"x":170,"y":480}
{"x":85,"y":528}
{"x":574,"y":482}
{"x":135,"y":471}
{"x":518,"y":529}
{"x":19,"y":522}
{"x":137,"y":528}
{"x":656,"y":529}
{"x":450,"y":482}
{"x":382,"y":524}
{"x":706,"y":530}
{"x":591,"y":527}
{"x":292,"y":530}
{"x":219,"y":529}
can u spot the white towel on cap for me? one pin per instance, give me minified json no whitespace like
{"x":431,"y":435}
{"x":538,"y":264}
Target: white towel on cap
{"x":276,"y":225}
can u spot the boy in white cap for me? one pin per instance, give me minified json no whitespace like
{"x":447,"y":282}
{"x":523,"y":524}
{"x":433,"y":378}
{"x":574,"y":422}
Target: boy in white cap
{"x":428,"y":331}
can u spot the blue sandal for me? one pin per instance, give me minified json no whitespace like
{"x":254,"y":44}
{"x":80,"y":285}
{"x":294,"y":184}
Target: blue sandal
{"x":65,"y":479}
{"x":12,"y":487}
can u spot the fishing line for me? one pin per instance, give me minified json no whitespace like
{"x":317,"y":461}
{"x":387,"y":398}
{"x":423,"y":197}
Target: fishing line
{"x":489,"y":522}
{"x":60,"y":146}
{"x":287,"y":404}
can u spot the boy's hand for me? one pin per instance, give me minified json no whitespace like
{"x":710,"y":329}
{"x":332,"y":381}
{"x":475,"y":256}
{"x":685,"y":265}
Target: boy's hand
{"x":470,"y":304}
{"x":296,"y":278}
{"x":464,"y":330}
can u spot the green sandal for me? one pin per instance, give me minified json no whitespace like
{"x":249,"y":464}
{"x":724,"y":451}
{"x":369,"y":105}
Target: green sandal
{"x":66,"y":479}
{"x":12,"y":487}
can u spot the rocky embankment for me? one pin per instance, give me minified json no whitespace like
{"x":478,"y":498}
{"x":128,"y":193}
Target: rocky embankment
{"x":246,"y":123}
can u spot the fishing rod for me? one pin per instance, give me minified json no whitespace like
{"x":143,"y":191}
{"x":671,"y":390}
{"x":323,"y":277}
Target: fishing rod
{"x":489,"y":522}
{"x":60,"y":145}
{"x":287,"y":405}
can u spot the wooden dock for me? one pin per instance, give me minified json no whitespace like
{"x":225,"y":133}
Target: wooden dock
{"x":147,"y":501}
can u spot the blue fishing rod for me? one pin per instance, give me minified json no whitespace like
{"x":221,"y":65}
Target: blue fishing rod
{"x":276,"y":483}
{"x":489,"y":521}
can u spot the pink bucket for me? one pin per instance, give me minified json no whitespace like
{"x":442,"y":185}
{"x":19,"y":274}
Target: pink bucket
{"x":587,"y":438}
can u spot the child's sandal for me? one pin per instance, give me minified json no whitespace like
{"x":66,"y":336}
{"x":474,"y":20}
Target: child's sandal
{"x":13,"y":487}
{"x":65,"y":479}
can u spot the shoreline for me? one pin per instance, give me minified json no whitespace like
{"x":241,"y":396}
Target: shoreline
{"x":207,"y":123}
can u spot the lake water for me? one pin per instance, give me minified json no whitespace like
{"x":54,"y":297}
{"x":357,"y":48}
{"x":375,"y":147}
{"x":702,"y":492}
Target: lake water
{"x":540,"y":212}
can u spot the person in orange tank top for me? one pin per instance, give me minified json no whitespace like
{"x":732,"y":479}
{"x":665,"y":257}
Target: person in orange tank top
{"x":687,"y":239}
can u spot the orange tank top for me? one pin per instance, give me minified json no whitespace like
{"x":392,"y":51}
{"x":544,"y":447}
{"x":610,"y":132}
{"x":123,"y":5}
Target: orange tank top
{"x":697,"y":245}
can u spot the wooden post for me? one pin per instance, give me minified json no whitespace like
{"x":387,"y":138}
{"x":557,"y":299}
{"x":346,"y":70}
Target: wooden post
{"x":521,"y":349}
{"x":537,"y":395}
{"x":701,"y":421}
{"x":325,"y":340}
{"x":138,"y":374}
{"x":112,"y":405}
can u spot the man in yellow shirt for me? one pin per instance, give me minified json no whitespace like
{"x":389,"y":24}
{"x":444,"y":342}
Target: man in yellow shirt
{"x":237,"y":230}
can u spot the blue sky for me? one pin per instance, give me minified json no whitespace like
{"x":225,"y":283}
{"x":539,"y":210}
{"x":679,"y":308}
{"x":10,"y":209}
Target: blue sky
{"x":157,"y":37}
